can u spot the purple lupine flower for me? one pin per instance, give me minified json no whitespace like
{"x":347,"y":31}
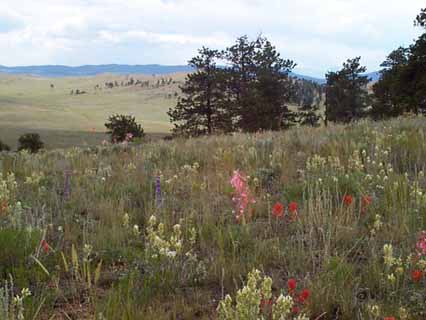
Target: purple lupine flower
{"x":158,"y":195}
{"x":67,"y":184}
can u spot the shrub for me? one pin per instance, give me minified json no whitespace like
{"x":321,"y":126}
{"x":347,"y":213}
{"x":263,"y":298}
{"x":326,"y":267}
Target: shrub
{"x":31,"y":142}
{"x":123,"y":128}
{"x":4,"y":147}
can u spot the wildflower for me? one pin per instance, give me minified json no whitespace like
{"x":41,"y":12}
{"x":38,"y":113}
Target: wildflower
{"x":126,"y":220}
{"x":365,"y":202}
{"x":295,"y":310}
{"x":388,"y":255}
{"x":242,"y":198}
{"x":292,"y":207}
{"x":136,"y":231}
{"x":403,"y":313}
{"x":291,"y":285}
{"x":421,"y":244}
{"x":391,"y":278}
{"x":347,"y":200}
{"x":278,"y":210}
{"x":45,"y":246}
{"x":374,"y":310}
{"x":416,"y":275}
{"x":129,"y":137}
{"x":304,"y":295}
{"x":389,"y":318}
{"x":67,"y":184}
{"x":158,"y":195}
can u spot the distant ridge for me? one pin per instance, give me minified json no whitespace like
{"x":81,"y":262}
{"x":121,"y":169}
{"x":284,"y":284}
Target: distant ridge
{"x":93,"y":70}
{"x":52,"y":71}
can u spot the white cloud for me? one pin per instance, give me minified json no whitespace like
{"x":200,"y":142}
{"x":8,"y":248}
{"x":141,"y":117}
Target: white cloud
{"x":318,"y":35}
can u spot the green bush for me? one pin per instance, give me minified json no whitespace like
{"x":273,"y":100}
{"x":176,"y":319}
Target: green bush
{"x":31,"y":142}
{"x":123,"y":128}
{"x":4,"y":147}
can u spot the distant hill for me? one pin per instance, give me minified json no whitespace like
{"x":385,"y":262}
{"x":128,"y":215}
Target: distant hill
{"x":57,"y":71}
{"x":93,"y":70}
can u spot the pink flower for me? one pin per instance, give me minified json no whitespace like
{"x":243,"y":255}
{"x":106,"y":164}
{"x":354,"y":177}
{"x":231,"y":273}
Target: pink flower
{"x":242,"y":197}
{"x":421,"y":244}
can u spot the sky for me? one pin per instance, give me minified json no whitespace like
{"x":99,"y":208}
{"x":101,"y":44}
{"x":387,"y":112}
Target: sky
{"x":317,"y":34}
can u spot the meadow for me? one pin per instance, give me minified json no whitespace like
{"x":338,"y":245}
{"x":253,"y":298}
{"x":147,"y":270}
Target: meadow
{"x":30,"y":104}
{"x":309,"y":223}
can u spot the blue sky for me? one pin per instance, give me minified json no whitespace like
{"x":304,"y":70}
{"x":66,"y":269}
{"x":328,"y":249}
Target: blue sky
{"x":317,"y":34}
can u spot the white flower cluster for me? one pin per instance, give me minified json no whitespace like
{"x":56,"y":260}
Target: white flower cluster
{"x":249,"y":299}
{"x":159,"y":244}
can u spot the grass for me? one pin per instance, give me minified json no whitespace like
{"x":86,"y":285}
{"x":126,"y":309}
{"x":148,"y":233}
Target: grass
{"x":29,"y":104}
{"x":90,"y":249}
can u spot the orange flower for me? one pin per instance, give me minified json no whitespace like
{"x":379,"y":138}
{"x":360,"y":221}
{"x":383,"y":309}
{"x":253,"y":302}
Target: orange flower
{"x":416,"y":275}
{"x":278,"y":210}
{"x":348,"y":199}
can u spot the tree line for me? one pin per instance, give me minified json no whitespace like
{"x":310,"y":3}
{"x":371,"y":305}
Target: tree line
{"x":248,"y":87}
{"x":250,"y":91}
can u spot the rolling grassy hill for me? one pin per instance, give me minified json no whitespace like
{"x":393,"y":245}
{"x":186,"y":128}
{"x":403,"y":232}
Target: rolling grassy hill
{"x":30,"y":104}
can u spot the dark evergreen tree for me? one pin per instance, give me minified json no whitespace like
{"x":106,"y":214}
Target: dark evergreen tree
{"x":388,"y":100}
{"x":346,"y":93}
{"x":259,"y":85}
{"x":202,"y":107}
{"x":402,"y":86}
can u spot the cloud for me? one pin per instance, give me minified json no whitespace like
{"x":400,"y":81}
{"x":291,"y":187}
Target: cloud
{"x":318,"y":35}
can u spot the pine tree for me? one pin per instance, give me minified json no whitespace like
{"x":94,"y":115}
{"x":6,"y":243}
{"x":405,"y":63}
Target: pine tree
{"x":402,"y":85}
{"x":260,"y":85}
{"x":346,"y":93}
{"x":202,"y":108}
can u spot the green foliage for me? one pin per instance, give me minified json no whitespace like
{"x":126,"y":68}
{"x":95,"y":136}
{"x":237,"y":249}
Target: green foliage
{"x":403,"y":80}
{"x":250,"y":94}
{"x":120,"y":127}
{"x":4,"y":147}
{"x":15,"y":258}
{"x":30,"y":142}
{"x":346,"y":93}
{"x":203,"y":107}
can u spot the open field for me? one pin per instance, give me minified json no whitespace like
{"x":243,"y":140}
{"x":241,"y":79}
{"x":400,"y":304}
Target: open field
{"x":335,"y":216}
{"x":29,"y":104}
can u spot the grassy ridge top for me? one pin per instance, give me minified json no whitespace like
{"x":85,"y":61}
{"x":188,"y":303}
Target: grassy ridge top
{"x":356,"y":188}
{"x":30,"y":104}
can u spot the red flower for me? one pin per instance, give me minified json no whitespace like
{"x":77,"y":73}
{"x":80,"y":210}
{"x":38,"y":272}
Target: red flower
{"x":295,"y":310}
{"x":416,"y":275}
{"x":348,"y":199}
{"x":278,"y":210}
{"x":389,"y":318}
{"x":292,"y":207}
{"x":291,"y":284}
{"x":45,"y":246}
{"x":304,"y":295}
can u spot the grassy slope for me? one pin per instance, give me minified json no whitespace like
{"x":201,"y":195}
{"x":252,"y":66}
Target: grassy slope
{"x":331,"y":247}
{"x":29,"y":104}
